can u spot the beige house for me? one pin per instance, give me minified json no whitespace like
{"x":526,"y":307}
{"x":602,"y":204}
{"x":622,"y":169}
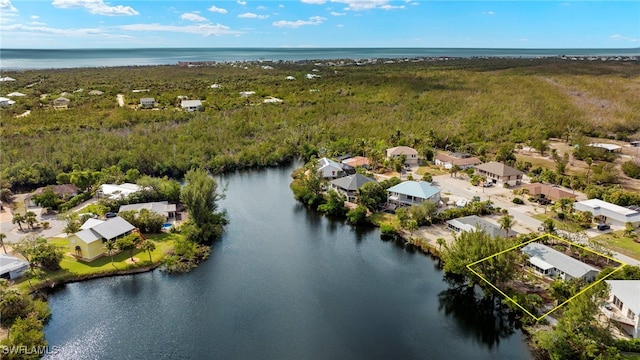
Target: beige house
{"x":545,"y":191}
{"x":410,"y":154}
{"x":499,"y":173}
{"x":61,"y":103}
{"x":463,"y":161}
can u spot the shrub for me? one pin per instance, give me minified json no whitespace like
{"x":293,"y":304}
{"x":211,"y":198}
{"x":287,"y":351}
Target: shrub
{"x":631,"y":169}
{"x":387,"y":230}
{"x":357,"y":216}
{"x":518,"y":201}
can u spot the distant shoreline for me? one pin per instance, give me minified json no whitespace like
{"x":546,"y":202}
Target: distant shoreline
{"x":41,"y":59}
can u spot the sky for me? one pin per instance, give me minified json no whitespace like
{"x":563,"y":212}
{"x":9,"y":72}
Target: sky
{"x":46,"y":24}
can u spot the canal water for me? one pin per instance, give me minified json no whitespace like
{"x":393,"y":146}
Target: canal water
{"x":283,"y":283}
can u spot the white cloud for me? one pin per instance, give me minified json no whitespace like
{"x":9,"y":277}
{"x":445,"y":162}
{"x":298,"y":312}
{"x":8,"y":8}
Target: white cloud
{"x":314,"y":20}
{"x":193,"y":17}
{"x":316,"y":2}
{"x":216,"y":9}
{"x":340,"y":25}
{"x":391,"y":7}
{"x":357,"y":5}
{"x":203,"y":29}
{"x":250,"y":15}
{"x":34,"y":17}
{"x":488,"y":12}
{"x":415,"y":3}
{"x":97,"y":7}
{"x":261,"y":7}
{"x":618,"y":37}
{"x":338,"y":14}
{"x":53,"y":31}
{"x":38,"y":23}
{"x":241,"y":2}
{"x":281,"y":6}
{"x":5,"y":6}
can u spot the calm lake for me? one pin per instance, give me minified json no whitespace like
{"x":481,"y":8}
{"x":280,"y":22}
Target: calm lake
{"x":283,"y":283}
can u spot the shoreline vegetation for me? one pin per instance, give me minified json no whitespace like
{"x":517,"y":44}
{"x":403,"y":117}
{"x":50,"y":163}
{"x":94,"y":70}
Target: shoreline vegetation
{"x":486,"y":107}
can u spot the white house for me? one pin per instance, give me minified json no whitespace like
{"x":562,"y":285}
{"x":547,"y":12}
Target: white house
{"x":191,"y":105}
{"x":6,"y":78}
{"x":413,"y":192}
{"x":476,"y":223}
{"x":290,"y":78}
{"x":607,"y":147}
{"x":6,"y":101}
{"x":410,"y":154}
{"x":16,"y":94}
{"x":159,"y":207}
{"x":624,"y":308}
{"x":610,"y":213}
{"x":147,"y":102}
{"x":550,"y":262}
{"x":115,"y":191}
{"x":499,"y":173}
{"x":11,"y":267}
{"x":330,"y":169}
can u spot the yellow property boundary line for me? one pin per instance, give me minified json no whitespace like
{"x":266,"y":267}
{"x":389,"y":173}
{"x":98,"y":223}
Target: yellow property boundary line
{"x":469,"y":266}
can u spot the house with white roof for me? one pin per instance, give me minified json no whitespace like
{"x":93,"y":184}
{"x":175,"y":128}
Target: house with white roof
{"x":349,"y":185}
{"x":12,"y":267}
{"x":115,"y":191}
{"x":88,"y":243}
{"x":159,"y":207}
{"x":6,"y":78}
{"x":624,"y":305}
{"x":607,"y":147}
{"x":610,"y":213}
{"x":61,"y":103}
{"x":410,"y":154}
{"x":6,"y":101}
{"x":147,"y":102}
{"x":191,"y":105}
{"x":552,"y":263}
{"x":413,"y":192}
{"x":330,"y":169}
{"x":475,"y":223}
{"x":16,"y":94}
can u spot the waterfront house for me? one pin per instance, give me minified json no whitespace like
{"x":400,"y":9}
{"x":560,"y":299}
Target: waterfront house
{"x":88,"y":243}
{"x":147,"y":103}
{"x":476,"y":223}
{"x":349,"y":185}
{"x":64,"y":192}
{"x":499,"y":173}
{"x":551,"y":192}
{"x":330,"y":169}
{"x":117,"y":191}
{"x":412,"y":192}
{"x":624,"y":305}
{"x":552,"y":263}
{"x":609,"y":213}
{"x":191,"y":105}
{"x":159,"y":207}
{"x":448,"y":160}
{"x":61,"y":103}
{"x":357,"y":161}
{"x":410,"y":154}
{"x":12,"y":267}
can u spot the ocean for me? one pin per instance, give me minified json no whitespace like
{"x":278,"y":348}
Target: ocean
{"x":27,"y":59}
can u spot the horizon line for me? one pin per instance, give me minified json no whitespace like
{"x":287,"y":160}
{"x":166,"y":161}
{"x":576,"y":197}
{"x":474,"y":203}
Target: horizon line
{"x":329,"y":47}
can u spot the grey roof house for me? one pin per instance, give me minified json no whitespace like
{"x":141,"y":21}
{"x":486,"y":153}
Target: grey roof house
{"x":550,"y":262}
{"x":159,"y":207}
{"x":87,"y":244}
{"x":476,"y":223}
{"x":499,"y":173}
{"x":11,"y":267}
{"x":147,"y":102}
{"x":349,"y":185}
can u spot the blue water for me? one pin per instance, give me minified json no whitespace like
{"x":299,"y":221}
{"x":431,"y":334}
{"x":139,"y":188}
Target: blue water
{"x":167,"y":225}
{"x":23,"y":59}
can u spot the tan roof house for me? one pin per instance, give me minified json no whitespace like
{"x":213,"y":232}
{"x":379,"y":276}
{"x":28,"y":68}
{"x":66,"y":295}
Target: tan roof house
{"x":463,"y":161}
{"x":410,"y":154}
{"x":357,"y":161}
{"x":88,"y":243}
{"x":499,"y":173}
{"x":546,"y":191}
{"x":61,"y":103}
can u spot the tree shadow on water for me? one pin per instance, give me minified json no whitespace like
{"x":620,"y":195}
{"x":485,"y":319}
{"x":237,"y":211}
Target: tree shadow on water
{"x":478,"y":317}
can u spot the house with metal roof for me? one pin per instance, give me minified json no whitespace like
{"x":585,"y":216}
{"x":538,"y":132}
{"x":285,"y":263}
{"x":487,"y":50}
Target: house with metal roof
{"x":349,"y":185}
{"x":147,"y":102}
{"x":550,"y":262}
{"x":610,"y":213}
{"x":117,"y":191}
{"x":606,"y":147}
{"x":88,"y":243}
{"x":330,"y":169}
{"x":624,"y":305}
{"x":12,"y":267}
{"x":545,"y":191}
{"x":499,"y":173}
{"x":191,"y":105}
{"x":410,"y":154}
{"x":413,"y":192}
{"x":476,"y":223}
{"x":159,"y":207}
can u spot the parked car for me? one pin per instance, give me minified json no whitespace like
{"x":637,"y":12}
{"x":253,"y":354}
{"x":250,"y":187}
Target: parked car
{"x":488,"y":184}
{"x":110,"y":215}
{"x":544,"y":201}
{"x":603,"y":227}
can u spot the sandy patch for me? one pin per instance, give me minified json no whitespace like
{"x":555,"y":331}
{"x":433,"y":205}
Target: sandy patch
{"x":132,"y":261}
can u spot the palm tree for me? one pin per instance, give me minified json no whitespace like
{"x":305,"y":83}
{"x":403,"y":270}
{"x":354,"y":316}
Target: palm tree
{"x":454,"y":170}
{"x":628,"y":229}
{"x":2,"y":237}
{"x":110,"y":246}
{"x":30,"y":218}
{"x":148,"y":246}
{"x":549,"y":226}
{"x":440,"y":242}
{"x":18,"y":219}
{"x":506,"y":223}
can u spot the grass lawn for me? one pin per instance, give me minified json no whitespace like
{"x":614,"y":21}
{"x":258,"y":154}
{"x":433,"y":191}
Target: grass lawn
{"x":629,"y":356}
{"x":72,"y":267}
{"x":560,"y":225}
{"x":431,"y":169}
{"x":616,"y":241}
{"x":381,"y":218}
